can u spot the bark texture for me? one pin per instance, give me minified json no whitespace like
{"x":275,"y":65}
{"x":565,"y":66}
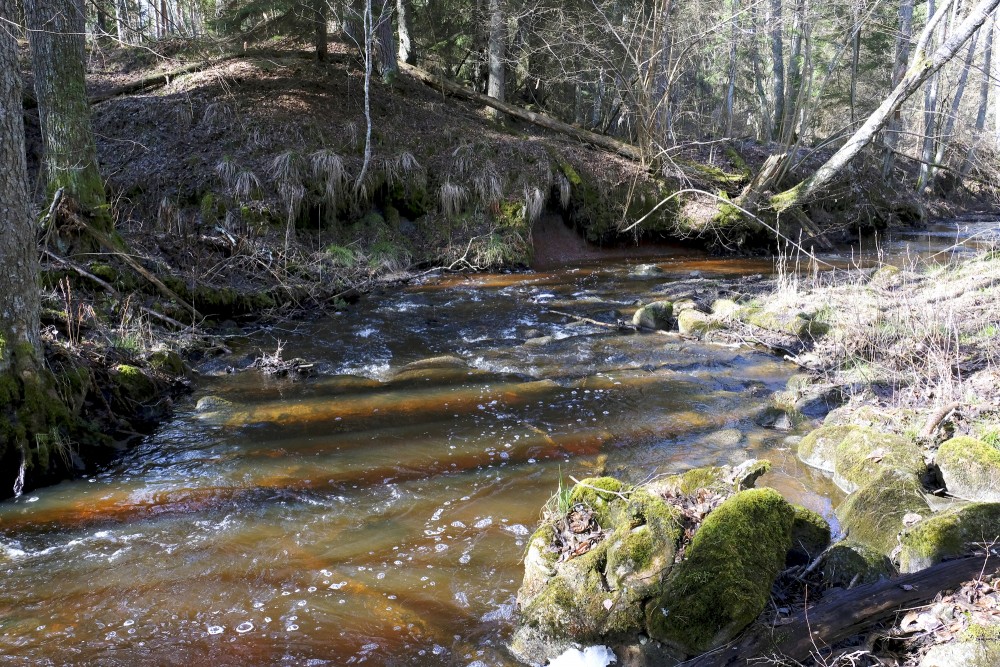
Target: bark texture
{"x":56,"y":38}
{"x":19,"y":299}
{"x":404,"y":18}
{"x":497,"y":84}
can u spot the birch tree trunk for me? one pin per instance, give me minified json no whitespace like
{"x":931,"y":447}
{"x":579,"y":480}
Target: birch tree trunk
{"x":891,"y":136}
{"x":984,"y":99}
{"x":930,"y":120}
{"x":956,"y":103}
{"x":404,"y":19}
{"x":921,"y":67}
{"x":56,"y":38}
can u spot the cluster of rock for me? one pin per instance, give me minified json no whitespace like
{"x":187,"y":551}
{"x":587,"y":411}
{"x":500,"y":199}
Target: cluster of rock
{"x":680,"y":566}
{"x":649,"y":589}
{"x":894,"y":516}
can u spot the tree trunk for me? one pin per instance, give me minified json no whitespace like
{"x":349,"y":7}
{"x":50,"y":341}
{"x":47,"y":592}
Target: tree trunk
{"x":404,"y":17}
{"x":920,"y":69}
{"x":497,"y":53}
{"x":891,"y":136}
{"x":777,"y":68}
{"x":28,"y":409}
{"x":321,"y":37}
{"x":764,"y":115}
{"x":956,"y":103}
{"x":930,"y":120}
{"x":793,"y":84}
{"x":984,"y":99}
{"x":121,"y":21}
{"x":731,"y":83}
{"x":856,"y":59}
{"x":57,"y":55}
{"x":385,"y":42}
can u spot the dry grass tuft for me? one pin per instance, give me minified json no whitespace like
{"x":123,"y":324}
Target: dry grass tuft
{"x":452,"y":198}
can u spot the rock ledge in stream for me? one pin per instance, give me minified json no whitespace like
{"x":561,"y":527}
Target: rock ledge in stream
{"x":620,"y":566}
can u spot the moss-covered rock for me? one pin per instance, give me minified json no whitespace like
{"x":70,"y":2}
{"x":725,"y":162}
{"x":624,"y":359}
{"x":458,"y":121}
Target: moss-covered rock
{"x":656,"y":315}
{"x":970,"y":468}
{"x":725,"y":308}
{"x":864,"y":454}
{"x":598,"y":493}
{"x":949,"y":533}
{"x":723,"y":479}
{"x":818,"y":449}
{"x":598,"y":595}
{"x":873,"y":515}
{"x":850,"y":562}
{"x":810,"y":534}
{"x":168,"y":362}
{"x":691,"y":322}
{"x":133,"y":384}
{"x":723,"y":585}
{"x":799,"y":325}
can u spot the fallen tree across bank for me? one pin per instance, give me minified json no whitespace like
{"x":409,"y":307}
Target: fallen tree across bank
{"x":814,"y":629}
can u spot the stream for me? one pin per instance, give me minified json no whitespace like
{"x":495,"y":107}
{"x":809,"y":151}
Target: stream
{"x":377,"y":513}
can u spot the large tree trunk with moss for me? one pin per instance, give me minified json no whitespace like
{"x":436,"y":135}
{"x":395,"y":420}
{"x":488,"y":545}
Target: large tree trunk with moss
{"x":920,"y":69}
{"x":29,"y":409}
{"x":56,"y":38}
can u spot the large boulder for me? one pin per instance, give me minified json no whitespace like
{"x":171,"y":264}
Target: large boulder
{"x":819,"y":448}
{"x":950,"y":533}
{"x":800,"y":325}
{"x":599,"y":594}
{"x":864,"y":454}
{"x":721,"y":479}
{"x":656,"y":315}
{"x":970,"y":468}
{"x":691,"y":322}
{"x":877,"y":512}
{"x":723,"y":585}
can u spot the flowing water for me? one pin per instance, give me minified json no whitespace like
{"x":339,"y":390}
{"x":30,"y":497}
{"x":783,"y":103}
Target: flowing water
{"x":377,"y":513}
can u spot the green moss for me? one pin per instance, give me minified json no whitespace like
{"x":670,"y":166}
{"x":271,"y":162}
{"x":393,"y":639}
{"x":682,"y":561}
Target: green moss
{"x":949,"y":534}
{"x":796,"y":324}
{"x":133,"y":384}
{"x":696,"y":323}
{"x":819,"y":447}
{"x":810,"y":533}
{"x":971,"y":468}
{"x":873,"y":515}
{"x":785,"y":200}
{"x":737,"y":161}
{"x":597,"y":493}
{"x":980,"y":632}
{"x":864,"y":454}
{"x":656,"y":315}
{"x":711,"y":477}
{"x":723,"y":586}
{"x":850,"y":562}
{"x":169,"y":362}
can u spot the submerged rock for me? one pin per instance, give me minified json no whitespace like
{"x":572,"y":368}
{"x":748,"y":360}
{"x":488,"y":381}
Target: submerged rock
{"x":950,"y":533}
{"x":656,"y":315}
{"x":874,"y":514}
{"x":647,"y":270}
{"x":970,"y":468}
{"x":723,"y":586}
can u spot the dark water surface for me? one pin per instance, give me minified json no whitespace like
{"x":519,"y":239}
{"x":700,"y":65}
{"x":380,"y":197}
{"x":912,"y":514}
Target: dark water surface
{"x":379,"y":516}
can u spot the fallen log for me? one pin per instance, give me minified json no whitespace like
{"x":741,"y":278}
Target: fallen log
{"x":811,"y":631}
{"x":599,"y":140}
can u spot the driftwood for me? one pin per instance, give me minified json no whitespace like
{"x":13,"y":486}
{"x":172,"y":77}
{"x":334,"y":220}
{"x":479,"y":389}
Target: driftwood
{"x":814,"y":629}
{"x":599,"y":140}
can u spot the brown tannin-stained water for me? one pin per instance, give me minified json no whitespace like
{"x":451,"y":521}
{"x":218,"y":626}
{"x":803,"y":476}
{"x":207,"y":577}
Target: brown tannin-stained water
{"x":377,"y":516}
